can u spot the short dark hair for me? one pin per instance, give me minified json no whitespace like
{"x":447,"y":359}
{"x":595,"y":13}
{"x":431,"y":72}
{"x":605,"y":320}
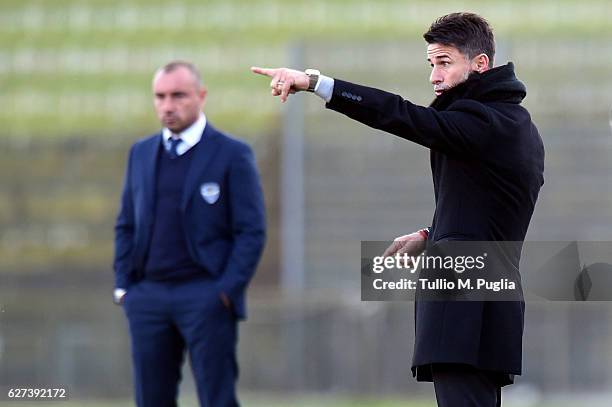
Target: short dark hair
{"x":468,"y":32}
{"x":174,"y":65}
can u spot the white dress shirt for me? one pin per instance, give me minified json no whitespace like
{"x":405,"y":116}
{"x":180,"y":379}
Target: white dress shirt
{"x":190,"y":136}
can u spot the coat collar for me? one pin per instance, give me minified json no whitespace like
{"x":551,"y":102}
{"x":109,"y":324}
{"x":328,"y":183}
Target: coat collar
{"x":150,"y":153}
{"x":498,"y":84}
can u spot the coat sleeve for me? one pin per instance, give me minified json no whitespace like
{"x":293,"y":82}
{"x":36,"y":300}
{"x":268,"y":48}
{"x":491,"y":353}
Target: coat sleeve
{"x":463,"y":128}
{"x":247,"y":223}
{"x":124,"y":232}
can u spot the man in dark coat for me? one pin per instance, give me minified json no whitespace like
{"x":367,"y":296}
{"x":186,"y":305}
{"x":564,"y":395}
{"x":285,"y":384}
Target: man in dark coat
{"x":487,"y":162}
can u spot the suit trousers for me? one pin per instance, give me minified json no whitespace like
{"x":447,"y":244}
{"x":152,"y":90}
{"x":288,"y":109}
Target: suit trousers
{"x":165,"y":320}
{"x":458,"y":385}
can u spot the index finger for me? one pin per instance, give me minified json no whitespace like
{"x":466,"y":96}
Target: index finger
{"x":264,"y":71}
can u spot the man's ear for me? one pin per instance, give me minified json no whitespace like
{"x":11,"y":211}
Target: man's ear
{"x":202,"y":92}
{"x":480,"y":63}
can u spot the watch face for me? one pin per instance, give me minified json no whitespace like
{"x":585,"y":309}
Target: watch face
{"x":314,"y":78}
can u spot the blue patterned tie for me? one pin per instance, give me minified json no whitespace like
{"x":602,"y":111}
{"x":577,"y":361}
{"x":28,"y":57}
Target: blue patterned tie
{"x":174,"y":142}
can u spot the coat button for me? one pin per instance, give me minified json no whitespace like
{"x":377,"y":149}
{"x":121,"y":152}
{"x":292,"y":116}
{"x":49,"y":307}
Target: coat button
{"x":359,"y":98}
{"x":344,"y":94}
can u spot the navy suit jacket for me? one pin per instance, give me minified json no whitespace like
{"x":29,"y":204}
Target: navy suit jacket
{"x":225,"y":238}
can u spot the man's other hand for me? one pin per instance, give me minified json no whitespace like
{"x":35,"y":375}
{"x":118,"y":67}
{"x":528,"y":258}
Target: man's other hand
{"x":412,"y":244}
{"x":119,"y":296}
{"x":225,"y":300}
{"x":284,"y":81}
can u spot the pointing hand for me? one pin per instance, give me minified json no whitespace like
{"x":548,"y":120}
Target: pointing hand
{"x":284,"y":81}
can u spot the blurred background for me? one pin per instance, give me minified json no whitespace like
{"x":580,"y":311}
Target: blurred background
{"x":75,"y":81}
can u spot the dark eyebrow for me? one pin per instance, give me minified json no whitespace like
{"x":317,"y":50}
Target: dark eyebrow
{"x":438,"y":57}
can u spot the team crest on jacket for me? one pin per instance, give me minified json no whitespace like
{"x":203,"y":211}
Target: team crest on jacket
{"x":210,"y":191}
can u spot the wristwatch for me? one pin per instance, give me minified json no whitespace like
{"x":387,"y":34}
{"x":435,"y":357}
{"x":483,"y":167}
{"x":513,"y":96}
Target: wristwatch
{"x":313,"y":75}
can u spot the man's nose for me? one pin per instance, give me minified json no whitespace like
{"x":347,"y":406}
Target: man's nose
{"x":168,"y":106}
{"x":436,"y":77}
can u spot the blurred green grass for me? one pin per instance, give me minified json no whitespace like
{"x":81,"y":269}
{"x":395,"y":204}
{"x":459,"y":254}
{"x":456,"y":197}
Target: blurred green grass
{"x":80,"y":68}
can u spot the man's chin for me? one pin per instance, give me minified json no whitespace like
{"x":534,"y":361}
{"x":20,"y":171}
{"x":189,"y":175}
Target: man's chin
{"x":172,"y":125}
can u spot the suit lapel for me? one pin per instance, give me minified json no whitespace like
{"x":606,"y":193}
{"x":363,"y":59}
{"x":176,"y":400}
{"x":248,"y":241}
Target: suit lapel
{"x":203,"y":153}
{"x":149,"y":171}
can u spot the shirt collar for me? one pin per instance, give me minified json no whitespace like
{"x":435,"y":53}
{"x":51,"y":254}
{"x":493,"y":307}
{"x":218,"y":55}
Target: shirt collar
{"x":190,"y":136}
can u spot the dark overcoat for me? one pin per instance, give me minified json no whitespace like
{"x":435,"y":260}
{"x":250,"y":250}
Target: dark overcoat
{"x":487,"y":162}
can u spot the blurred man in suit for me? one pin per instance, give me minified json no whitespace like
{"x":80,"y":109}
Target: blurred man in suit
{"x":487,"y":162}
{"x":188,"y":237}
